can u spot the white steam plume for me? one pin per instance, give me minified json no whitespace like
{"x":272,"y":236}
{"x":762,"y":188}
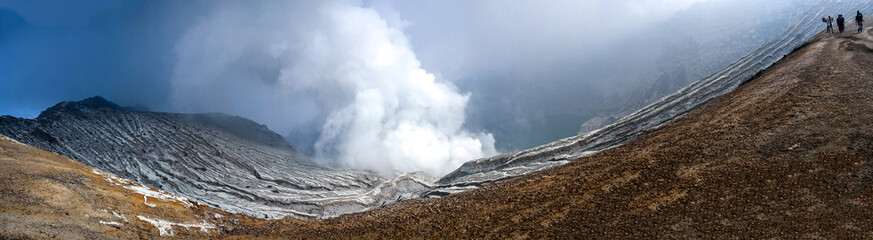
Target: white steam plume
{"x":333,"y":62}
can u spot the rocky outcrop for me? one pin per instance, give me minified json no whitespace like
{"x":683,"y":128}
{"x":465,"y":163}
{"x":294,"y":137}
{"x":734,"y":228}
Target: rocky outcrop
{"x":224,"y":161}
{"x":46,"y":196}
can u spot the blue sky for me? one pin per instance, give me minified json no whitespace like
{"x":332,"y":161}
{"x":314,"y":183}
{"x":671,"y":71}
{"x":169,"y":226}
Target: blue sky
{"x":52,"y":51}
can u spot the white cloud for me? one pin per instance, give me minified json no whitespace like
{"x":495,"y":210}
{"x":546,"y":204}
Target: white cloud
{"x":334,"y":61}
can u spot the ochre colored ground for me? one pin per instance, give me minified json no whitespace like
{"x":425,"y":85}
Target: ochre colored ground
{"x":786,"y":156}
{"x":47,"y":196}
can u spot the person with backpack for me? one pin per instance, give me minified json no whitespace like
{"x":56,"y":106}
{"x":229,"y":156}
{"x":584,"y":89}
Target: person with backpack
{"x":859,"y":19}
{"x":841,"y":23}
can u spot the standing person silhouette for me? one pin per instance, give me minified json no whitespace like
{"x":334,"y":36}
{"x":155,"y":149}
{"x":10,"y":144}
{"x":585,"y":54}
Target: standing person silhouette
{"x":830,"y":21}
{"x":859,"y":19}
{"x":841,"y":23}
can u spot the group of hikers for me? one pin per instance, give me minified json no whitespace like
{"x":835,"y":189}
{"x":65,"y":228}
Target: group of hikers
{"x":841,"y":22}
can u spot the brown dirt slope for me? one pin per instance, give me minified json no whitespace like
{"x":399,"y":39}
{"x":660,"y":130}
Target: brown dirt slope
{"x":787,"y":155}
{"x":47,"y":196}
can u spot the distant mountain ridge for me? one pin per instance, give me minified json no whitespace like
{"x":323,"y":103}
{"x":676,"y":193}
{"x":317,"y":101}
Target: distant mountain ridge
{"x":238,"y":126}
{"x":224,"y":161}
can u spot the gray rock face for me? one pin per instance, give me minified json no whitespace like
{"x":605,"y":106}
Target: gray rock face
{"x":488,"y":170}
{"x":224,"y":161}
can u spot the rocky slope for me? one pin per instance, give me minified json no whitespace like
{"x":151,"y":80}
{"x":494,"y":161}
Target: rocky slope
{"x":222,"y":161}
{"x":788,"y":155}
{"x":492,"y":169}
{"x":44,"y":195}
